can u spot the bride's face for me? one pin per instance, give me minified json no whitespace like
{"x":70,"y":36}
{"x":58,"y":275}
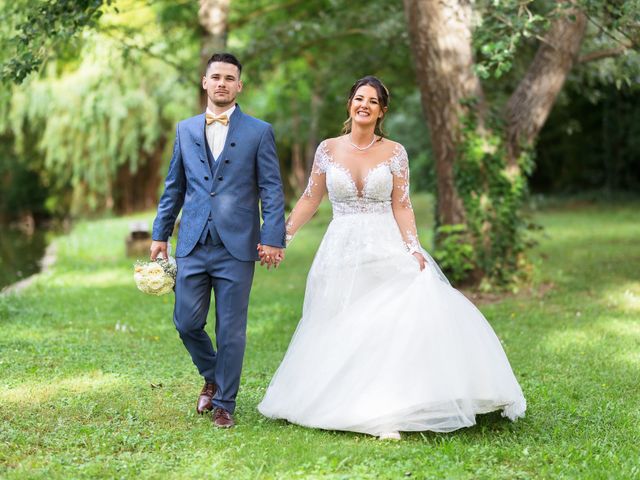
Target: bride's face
{"x":365,"y":108}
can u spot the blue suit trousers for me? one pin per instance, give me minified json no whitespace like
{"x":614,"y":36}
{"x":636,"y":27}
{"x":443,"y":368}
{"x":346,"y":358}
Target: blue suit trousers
{"x":210,"y":266}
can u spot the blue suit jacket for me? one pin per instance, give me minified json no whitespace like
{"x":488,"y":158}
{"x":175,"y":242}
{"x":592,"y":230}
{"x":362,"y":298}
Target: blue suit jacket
{"x":246,"y":171}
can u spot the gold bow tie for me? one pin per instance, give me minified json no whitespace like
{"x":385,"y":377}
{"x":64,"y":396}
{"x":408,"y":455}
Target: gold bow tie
{"x":223,"y":119}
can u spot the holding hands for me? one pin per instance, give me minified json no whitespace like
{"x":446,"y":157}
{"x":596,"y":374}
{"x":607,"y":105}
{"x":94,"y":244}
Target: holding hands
{"x":270,"y":256}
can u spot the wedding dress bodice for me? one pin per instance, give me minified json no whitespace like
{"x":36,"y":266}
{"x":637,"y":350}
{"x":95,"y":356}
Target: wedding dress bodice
{"x":372,"y":194}
{"x":381,"y":188}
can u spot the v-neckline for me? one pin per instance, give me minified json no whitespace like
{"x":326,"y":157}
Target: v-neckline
{"x":360,"y":193}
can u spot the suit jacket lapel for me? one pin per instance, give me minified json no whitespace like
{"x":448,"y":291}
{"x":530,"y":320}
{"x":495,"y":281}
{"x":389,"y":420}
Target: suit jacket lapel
{"x":200,"y":141}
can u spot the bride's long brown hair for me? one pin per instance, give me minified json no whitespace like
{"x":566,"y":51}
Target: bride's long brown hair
{"x":383,"y":98}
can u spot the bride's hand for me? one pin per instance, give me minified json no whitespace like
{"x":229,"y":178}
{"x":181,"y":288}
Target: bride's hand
{"x":421,"y":260}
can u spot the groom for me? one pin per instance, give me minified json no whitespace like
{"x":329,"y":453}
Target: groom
{"x":223,"y":162}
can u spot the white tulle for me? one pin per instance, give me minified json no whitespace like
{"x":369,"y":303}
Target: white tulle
{"x":383,"y":346}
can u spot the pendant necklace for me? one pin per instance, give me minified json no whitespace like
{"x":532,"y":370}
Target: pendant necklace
{"x":362,"y":148}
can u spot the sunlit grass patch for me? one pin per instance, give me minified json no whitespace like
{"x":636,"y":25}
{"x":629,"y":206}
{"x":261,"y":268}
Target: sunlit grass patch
{"x":103,"y":277}
{"x":625,"y":296}
{"x":33,"y":392}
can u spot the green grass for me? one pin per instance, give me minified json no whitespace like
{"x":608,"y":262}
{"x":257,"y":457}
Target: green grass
{"x":82,"y":399}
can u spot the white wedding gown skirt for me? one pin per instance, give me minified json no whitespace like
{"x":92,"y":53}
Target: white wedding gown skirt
{"x":383,"y":346}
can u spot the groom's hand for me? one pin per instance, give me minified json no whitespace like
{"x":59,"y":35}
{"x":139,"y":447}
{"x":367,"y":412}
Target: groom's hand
{"x":270,"y":256}
{"x":158,"y":248}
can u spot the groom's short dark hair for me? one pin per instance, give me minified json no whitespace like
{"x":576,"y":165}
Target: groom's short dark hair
{"x":225,"y":58}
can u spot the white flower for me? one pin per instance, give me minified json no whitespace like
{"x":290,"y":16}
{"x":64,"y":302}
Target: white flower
{"x":155,"y":278}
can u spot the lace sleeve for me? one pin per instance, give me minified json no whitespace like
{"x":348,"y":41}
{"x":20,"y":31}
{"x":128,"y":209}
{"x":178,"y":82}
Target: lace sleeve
{"x":308,"y":203}
{"x":401,"y":202}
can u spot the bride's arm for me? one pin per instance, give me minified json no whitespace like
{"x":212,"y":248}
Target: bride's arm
{"x":401,"y":204}
{"x":308,"y":203}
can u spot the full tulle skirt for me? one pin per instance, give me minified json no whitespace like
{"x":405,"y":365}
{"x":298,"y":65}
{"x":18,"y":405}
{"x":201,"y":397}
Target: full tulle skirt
{"x":383,"y":346}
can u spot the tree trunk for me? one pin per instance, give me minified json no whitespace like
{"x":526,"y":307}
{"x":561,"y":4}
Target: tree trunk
{"x":440,"y":32}
{"x":213,"y":17}
{"x":314,"y":126}
{"x":533,"y":99}
{"x":298,"y":176}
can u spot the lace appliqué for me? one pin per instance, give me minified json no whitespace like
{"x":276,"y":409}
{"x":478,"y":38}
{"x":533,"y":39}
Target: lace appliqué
{"x":320,"y":163}
{"x":354,"y":207}
{"x":312,"y":195}
{"x":412,"y":243}
{"x":399,"y":166}
{"x":289,"y":235}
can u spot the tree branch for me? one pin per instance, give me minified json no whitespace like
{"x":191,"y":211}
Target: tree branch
{"x":605,"y":53}
{"x":604,"y":31}
{"x":531,"y":102}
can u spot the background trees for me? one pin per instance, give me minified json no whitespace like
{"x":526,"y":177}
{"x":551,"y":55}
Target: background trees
{"x":483,"y":145}
{"x":472,"y":87}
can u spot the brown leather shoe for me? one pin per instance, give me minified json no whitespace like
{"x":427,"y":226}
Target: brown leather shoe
{"x":204,"y":400}
{"x":222,"y":418}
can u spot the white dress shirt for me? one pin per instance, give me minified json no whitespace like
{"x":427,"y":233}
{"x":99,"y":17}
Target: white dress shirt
{"x":217,"y":133}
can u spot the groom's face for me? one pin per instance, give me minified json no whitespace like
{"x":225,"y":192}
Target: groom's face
{"x":222,"y":83}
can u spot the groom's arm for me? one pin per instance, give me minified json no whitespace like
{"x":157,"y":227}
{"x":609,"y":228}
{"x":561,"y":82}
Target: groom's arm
{"x":272,"y":232}
{"x":173,"y":197}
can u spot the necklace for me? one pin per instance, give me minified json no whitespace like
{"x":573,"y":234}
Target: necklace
{"x":362,"y":148}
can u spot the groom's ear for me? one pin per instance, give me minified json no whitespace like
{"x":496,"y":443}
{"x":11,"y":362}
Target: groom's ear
{"x":204,"y":82}
{"x":240,"y":86}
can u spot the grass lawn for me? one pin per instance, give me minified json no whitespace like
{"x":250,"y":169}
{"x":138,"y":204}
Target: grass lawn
{"x":95,"y":383}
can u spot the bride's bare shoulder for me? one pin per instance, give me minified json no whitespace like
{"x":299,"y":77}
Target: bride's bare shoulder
{"x":332,"y":145}
{"x":333,"y":141}
{"x":393,"y":144}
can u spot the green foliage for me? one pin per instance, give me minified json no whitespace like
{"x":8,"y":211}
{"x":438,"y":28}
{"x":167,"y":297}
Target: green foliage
{"x":507,"y":33}
{"x":301,"y":58}
{"x":112,"y":107}
{"x":493,"y":194}
{"x":82,"y":397}
{"x":503,"y":27}
{"x":110,"y":87}
{"x":39,"y":27}
{"x":298,"y":53}
{"x":455,"y":253}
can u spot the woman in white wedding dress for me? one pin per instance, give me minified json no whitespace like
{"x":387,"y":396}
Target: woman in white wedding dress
{"x":385,"y":344}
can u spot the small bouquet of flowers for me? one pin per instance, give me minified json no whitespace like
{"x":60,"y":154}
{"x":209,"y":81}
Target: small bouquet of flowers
{"x":157,"y":277}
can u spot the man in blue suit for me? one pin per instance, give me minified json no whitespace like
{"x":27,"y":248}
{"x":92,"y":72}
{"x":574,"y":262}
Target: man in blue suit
{"x":224,"y":163}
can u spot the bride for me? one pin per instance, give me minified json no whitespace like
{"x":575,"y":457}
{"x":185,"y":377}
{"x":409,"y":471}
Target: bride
{"x":385,"y":344}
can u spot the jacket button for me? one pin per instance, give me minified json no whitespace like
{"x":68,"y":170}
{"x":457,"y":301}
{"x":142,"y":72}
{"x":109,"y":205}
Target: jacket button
{"x":206,"y":178}
{"x":226,"y":161}
{"x":202,"y":160}
{"x":219,"y":178}
{"x":213,"y":194}
{"x":233,"y":144}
